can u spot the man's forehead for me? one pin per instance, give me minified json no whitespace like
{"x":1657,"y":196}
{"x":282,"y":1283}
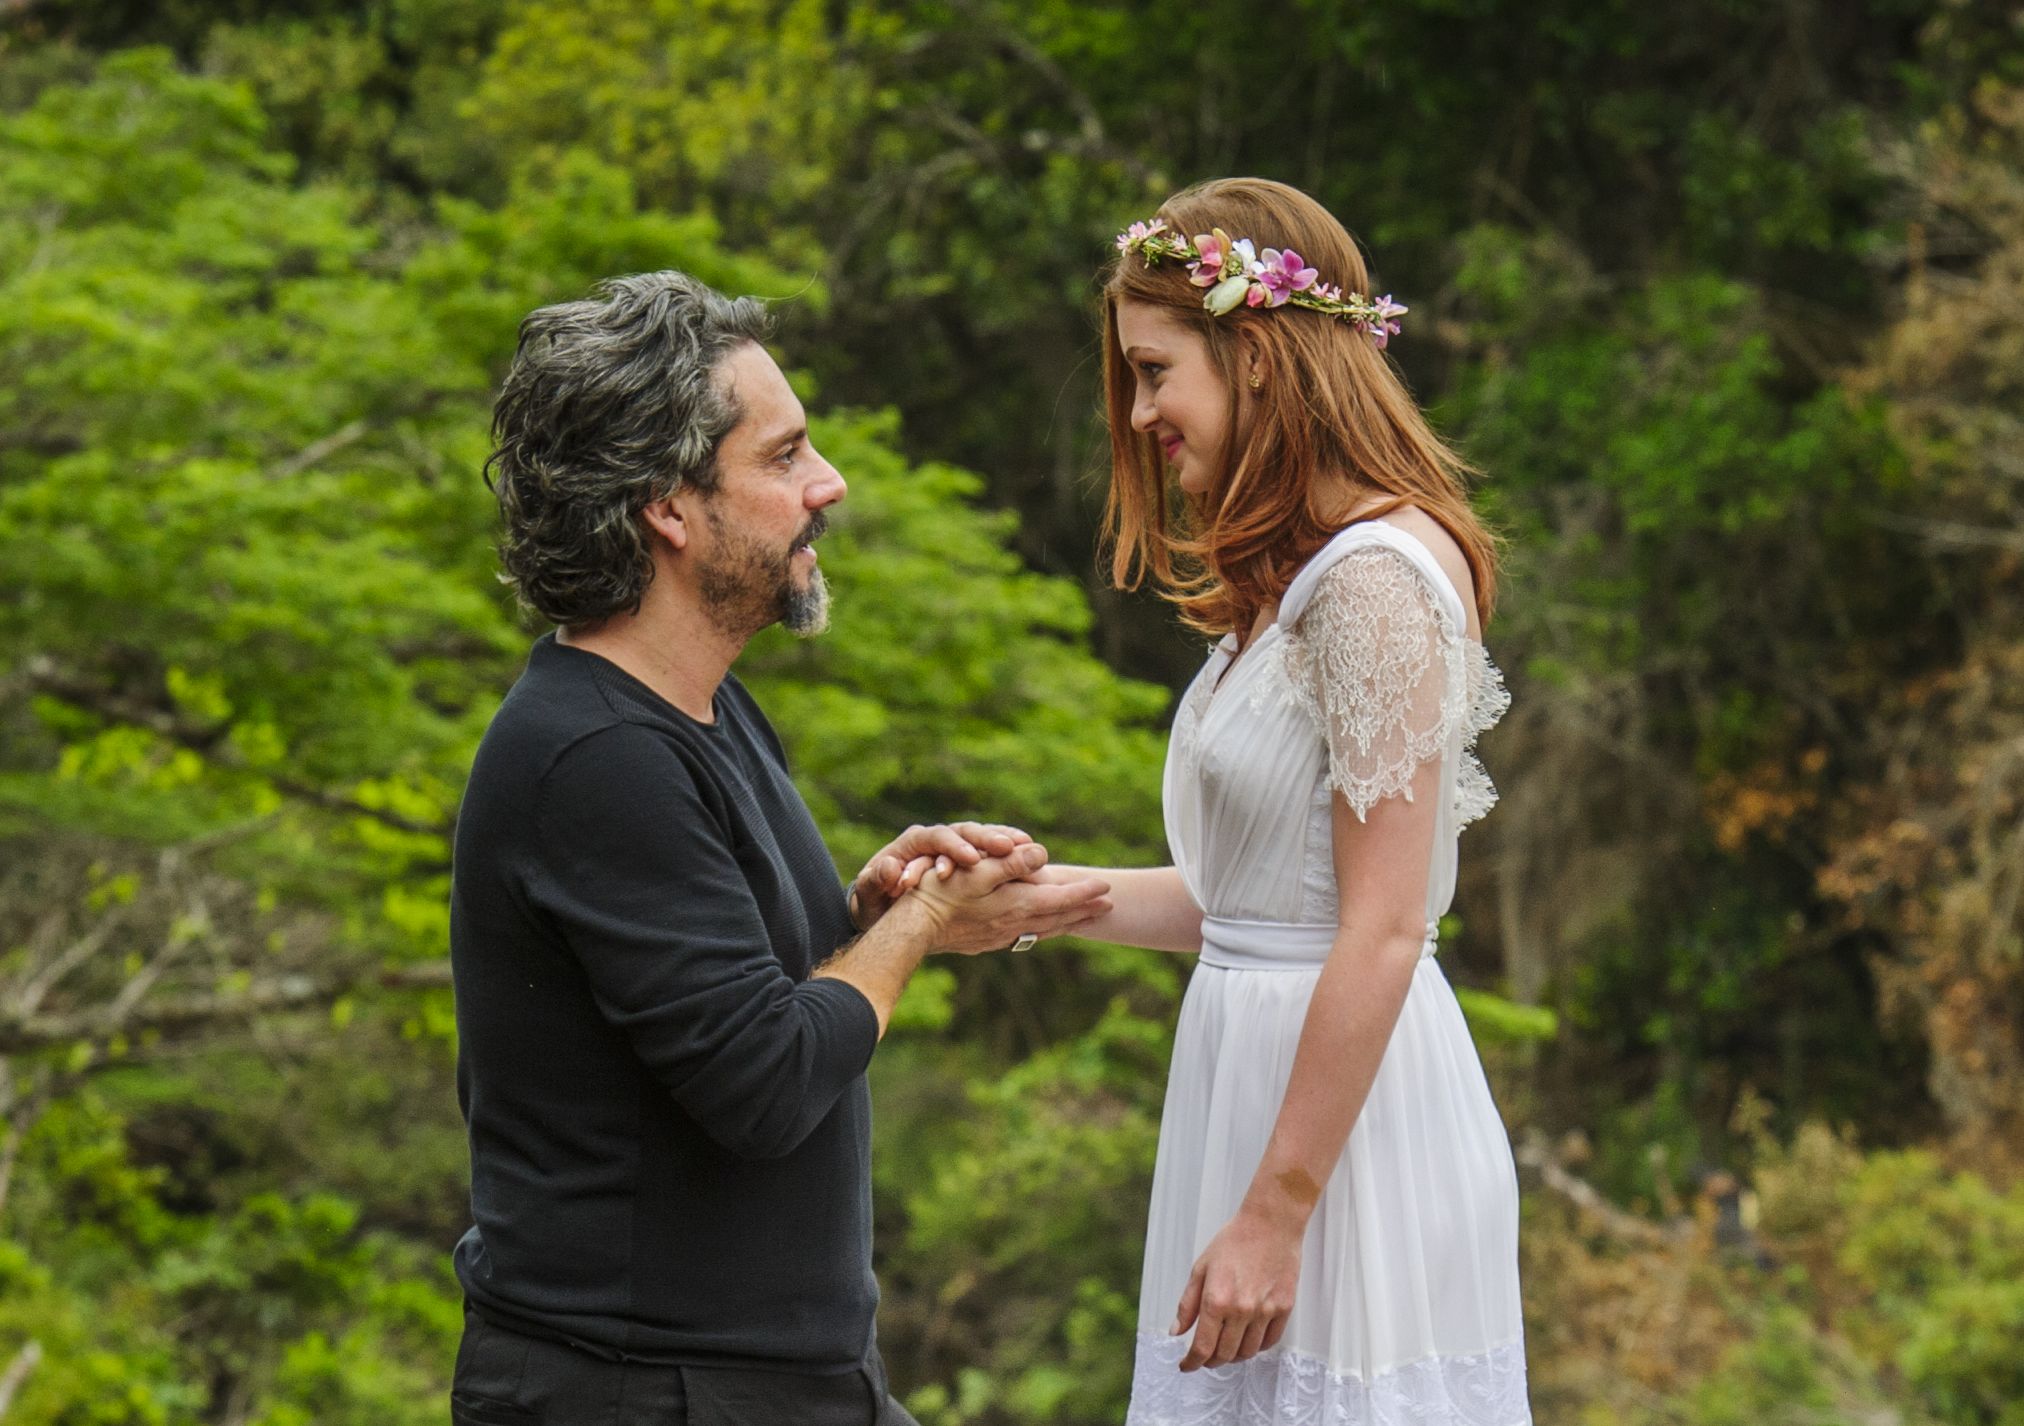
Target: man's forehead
{"x":750,"y":377}
{"x":779,"y":433}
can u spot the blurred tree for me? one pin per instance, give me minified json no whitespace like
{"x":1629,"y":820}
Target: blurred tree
{"x":1926,"y":857}
{"x":1723,"y":298}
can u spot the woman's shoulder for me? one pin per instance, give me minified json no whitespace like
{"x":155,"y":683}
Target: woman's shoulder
{"x":1403,"y":537}
{"x":1447,"y":552}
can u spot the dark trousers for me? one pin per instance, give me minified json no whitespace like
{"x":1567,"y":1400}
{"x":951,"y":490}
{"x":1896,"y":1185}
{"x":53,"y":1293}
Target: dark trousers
{"x":506,"y":1379}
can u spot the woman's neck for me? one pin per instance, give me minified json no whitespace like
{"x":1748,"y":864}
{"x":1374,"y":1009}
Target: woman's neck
{"x":1349,"y":501}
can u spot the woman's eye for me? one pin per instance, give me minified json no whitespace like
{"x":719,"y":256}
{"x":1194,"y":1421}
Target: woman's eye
{"x":1150,"y":369}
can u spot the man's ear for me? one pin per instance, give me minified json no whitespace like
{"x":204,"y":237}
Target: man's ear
{"x":669,"y":518}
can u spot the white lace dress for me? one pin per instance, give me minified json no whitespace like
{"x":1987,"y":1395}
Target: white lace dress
{"x":1407,"y":1309}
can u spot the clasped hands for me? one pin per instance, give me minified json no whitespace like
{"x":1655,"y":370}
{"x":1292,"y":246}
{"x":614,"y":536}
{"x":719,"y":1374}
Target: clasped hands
{"x":976,"y":883}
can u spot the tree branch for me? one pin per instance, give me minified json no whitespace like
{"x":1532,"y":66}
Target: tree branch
{"x":29,"y":998}
{"x":1954,"y":534}
{"x":316,"y":451}
{"x":1092,"y":139}
{"x":17,"y":1372}
{"x":1533,"y":1153}
{"x":169,"y":1013}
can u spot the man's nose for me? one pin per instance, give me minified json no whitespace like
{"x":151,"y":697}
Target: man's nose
{"x":828,"y":487}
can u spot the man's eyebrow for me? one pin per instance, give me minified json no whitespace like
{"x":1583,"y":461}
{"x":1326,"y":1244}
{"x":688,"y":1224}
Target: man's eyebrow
{"x":790,"y":436}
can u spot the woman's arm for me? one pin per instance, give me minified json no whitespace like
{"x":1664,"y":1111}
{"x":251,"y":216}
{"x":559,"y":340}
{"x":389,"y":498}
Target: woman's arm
{"x":1241,"y":1291}
{"x":1150,"y":907}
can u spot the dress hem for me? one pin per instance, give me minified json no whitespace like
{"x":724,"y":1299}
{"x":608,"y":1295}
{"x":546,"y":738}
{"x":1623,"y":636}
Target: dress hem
{"x":1287,"y":1388}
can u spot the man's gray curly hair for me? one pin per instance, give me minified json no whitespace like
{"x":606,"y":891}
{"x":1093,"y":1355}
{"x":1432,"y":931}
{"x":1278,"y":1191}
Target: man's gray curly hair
{"x":611,"y":403}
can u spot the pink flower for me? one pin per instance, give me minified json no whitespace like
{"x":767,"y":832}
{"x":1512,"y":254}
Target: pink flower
{"x":1214,"y":251}
{"x":1138,"y":232}
{"x":1386,"y":326}
{"x":1282,"y":275}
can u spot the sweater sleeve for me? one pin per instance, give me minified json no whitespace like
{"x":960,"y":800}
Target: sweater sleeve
{"x":647,"y":894}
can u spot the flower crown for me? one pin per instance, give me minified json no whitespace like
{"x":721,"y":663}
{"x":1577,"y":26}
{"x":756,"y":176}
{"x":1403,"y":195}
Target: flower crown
{"x":1236,"y":273}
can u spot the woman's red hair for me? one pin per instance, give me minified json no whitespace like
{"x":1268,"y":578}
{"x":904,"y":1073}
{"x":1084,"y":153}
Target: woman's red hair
{"x":1331,"y":405}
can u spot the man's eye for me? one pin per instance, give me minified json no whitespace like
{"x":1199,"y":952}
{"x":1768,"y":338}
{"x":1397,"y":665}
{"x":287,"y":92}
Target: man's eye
{"x":786,"y":457}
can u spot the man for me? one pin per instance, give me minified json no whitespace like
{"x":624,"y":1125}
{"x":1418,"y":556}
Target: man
{"x":662,"y":1047}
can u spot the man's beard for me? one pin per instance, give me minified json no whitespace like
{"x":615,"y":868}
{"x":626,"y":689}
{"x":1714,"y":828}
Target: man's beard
{"x":747,"y":584}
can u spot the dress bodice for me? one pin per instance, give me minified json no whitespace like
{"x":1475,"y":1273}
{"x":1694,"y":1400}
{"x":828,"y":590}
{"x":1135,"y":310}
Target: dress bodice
{"x":1366,"y":674}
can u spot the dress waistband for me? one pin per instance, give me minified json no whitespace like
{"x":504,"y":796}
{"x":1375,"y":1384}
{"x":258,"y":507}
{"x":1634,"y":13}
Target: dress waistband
{"x":1277,"y":945}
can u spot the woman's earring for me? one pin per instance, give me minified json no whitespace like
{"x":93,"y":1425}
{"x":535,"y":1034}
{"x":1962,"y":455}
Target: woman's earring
{"x":1257,"y":381}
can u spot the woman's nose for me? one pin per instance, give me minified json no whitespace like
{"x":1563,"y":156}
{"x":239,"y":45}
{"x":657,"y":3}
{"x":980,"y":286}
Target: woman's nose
{"x":1143,"y":416}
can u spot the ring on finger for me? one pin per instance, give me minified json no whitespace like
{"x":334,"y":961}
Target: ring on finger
{"x":1026,"y":942}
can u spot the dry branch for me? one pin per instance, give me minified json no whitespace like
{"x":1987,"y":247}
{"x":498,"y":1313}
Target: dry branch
{"x":1534,"y":1153}
{"x":17,"y":1372}
{"x":170,"y":1013}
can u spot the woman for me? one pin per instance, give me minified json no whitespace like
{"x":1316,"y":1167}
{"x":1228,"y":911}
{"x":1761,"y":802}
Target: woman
{"x":1334,"y":1219}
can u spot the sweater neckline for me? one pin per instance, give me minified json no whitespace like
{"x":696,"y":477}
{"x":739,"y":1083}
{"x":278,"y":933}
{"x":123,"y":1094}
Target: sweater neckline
{"x":615,"y":680}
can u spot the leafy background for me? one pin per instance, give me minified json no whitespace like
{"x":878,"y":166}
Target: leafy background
{"x":1727,"y":300}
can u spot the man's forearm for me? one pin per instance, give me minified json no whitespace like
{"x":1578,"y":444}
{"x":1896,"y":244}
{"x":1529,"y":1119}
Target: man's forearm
{"x":879,"y":963}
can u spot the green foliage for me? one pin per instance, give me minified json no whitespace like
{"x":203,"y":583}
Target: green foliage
{"x":1056,"y":1153}
{"x":193,"y":359}
{"x":738,"y":105}
{"x":1661,"y":466}
{"x":257,"y":285}
{"x":1777,"y":1377}
{"x":148,"y":1302}
{"x":1941,"y":1257}
{"x":1665,"y":411}
{"x":1496,"y":1020}
{"x":1866,"y":1286}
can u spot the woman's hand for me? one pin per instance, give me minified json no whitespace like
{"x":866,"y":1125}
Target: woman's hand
{"x":898,"y":867}
{"x":1240,"y":1294}
{"x":989,"y":906}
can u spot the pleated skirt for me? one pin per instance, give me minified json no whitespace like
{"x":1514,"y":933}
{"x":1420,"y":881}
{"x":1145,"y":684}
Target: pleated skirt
{"x":1408,"y":1307}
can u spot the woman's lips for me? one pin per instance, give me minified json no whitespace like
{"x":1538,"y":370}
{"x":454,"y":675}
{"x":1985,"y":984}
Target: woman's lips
{"x":1171,"y":445}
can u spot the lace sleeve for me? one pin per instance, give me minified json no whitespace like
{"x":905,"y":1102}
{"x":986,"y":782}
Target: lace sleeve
{"x":1380,"y":665}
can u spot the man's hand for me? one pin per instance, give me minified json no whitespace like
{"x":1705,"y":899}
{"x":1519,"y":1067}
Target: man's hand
{"x":898,"y":867}
{"x":988,"y":906}
{"x":975,"y":908}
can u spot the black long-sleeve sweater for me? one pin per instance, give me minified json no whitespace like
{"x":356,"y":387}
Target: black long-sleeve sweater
{"x":669,"y":1123}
